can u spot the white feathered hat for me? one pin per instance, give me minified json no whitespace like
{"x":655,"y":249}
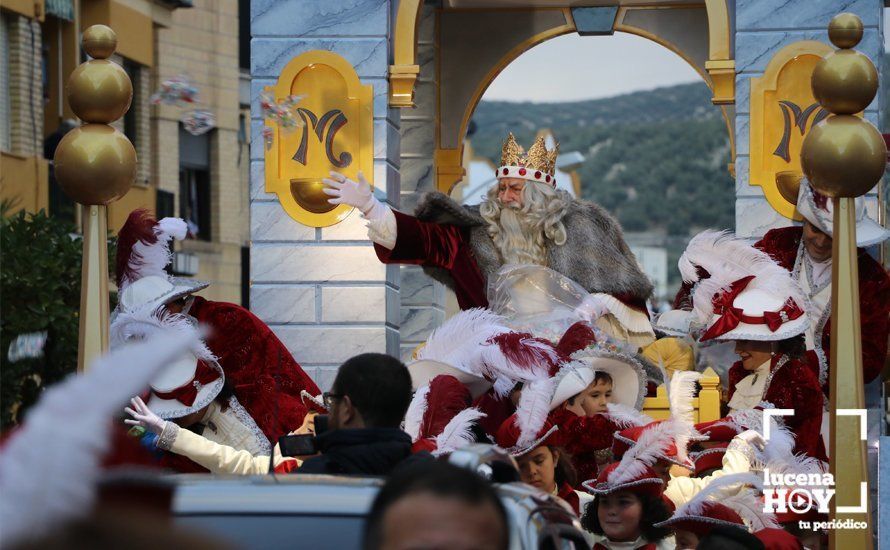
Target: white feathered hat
{"x":627,"y":373}
{"x":819,"y":210}
{"x":747,"y":296}
{"x":143,"y":252}
{"x":188,"y":383}
{"x":457,"y":349}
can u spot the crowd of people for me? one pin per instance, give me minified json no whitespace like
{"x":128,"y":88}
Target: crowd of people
{"x":550,"y":359}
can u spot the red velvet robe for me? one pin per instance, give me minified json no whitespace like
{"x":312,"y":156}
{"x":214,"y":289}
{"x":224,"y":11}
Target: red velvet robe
{"x":794,"y":385}
{"x":439,"y":245}
{"x":585,"y":438}
{"x":448,"y":247}
{"x":874,"y":297}
{"x":263,"y":374}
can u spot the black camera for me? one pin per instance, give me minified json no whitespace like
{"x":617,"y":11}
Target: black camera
{"x":303,"y":444}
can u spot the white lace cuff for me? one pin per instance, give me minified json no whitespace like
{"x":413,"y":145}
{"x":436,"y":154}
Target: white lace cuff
{"x":168,"y":436}
{"x":382,"y":226}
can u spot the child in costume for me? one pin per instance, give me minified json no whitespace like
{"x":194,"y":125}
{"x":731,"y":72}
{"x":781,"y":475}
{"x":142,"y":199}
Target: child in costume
{"x":750,"y":299}
{"x":610,"y":402}
{"x":543,"y":463}
{"x":726,"y":502}
{"x":628,"y":501}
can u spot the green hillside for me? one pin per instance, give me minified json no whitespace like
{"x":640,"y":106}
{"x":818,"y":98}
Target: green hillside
{"x":655,"y":159}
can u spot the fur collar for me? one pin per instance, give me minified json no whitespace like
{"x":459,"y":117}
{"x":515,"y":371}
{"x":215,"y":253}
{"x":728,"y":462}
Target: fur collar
{"x":594,"y":255}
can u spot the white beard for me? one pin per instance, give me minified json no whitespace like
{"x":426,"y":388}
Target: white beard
{"x":518,"y":238}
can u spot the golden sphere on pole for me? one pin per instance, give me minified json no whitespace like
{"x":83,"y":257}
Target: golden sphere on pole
{"x":843,"y":156}
{"x":845,"y":30}
{"x":95,"y":164}
{"x":99,"y":91}
{"x":845,"y":82}
{"x":99,"y":41}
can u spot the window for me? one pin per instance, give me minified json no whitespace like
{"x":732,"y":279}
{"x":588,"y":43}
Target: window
{"x":194,"y":201}
{"x":244,"y":34}
{"x":194,"y":183}
{"x":5,"y":86}
{"x":164,"y":204}
{"x":130,"y":118}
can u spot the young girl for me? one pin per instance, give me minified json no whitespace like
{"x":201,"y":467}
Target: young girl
{"x":628,"y":503}
{"x":751,"y":300}
{"x":542,"y":463}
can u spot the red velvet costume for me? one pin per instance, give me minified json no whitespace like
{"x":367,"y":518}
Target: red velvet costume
{"x":568,"y":494}
{"x":793,"y":385}
{"x":448,"y":247}
{"x":443,"y":246}
{"x":588,"y":439}
{"x":874,"y":297}
{"x":263,"y":374}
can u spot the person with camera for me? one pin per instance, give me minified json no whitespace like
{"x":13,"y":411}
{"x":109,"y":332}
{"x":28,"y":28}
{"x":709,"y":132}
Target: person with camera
{"x":361,"y":435}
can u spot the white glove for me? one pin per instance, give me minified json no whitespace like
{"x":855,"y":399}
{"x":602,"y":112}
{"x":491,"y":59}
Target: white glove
{"x":142,"y":416}
{"x":592,"y":308}
{"x":357,"y":194}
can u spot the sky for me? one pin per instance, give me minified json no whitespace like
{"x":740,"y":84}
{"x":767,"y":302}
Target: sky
{"x":573,"y":68}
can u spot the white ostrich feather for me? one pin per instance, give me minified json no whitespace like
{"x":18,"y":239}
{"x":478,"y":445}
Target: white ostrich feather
{"x":624,"y":416}
{"x":533,"y":408}
{"x":499,"y":367}
{"x":49,"y":469}
{"x":416,"y":410}
{"x":458,"y":432}
{"x":147,"y":320}
{"x":716,"y":491}
{"x":728,"y":259}
{"x":651,"y":445}
{"x":174,"y":228}
{"x":681,"y":392}
{"x":749,"y":505}
{"x":151,"y":259}
{"x":460,"y":340}
{"x":778,"y":455}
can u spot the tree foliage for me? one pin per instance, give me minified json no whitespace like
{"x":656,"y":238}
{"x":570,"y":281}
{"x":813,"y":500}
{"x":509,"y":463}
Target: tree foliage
{"x":40,"y":288}
{"x":657,"y":159}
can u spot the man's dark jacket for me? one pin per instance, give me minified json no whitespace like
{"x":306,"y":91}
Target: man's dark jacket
{"x":365,"y":451}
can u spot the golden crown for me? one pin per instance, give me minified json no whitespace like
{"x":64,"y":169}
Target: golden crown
{"x":538,"y":164}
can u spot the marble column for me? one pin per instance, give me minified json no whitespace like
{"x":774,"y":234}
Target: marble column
{"x":323,"y":291}
{"x":762,"y":29}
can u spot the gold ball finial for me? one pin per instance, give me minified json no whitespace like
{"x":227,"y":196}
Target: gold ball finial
{"x":99,"y":91}
{"x":843,"y":156}
{"x":99,"y":41}
{"x":845,"y":30}
{"x":845,"y":82}
{"x":95,"y":164}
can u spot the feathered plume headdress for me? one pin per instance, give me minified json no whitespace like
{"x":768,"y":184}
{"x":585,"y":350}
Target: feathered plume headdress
{"x":774,"y":310}
{"x":520,"y":357}
{"x":634,"y":470}
{"x":729,"y":500}
{"x":143,"y":246}
{"x":460,"y":340}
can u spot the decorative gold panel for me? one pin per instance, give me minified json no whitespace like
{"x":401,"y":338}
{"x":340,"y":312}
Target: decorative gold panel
{"x":783,"y":110}
{"x":337,"y":134}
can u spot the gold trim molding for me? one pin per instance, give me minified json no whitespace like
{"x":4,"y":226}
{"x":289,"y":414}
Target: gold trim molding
{"x":404,"y":70}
